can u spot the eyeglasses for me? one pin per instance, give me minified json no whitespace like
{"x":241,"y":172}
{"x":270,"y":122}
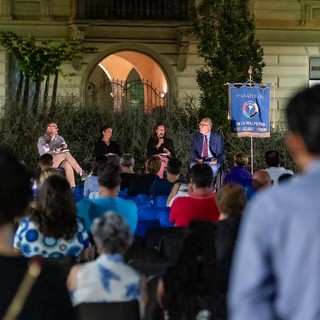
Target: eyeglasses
{"x":53,"y":126}
{"x":204,"y":125}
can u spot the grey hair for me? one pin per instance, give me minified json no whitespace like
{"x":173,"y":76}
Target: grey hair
{"x":112,"y":233}
{"x":208,"y":120}
{"x":127,"y":160}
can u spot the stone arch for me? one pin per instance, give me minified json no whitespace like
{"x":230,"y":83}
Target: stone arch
{"x":119,"y":50}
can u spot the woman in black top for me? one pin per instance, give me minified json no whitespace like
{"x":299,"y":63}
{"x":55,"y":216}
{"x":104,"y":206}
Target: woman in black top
{"x":105,"y":145}
{"x":158,"y":142}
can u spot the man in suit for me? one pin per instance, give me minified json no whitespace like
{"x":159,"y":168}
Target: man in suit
{"x":207,"y":146}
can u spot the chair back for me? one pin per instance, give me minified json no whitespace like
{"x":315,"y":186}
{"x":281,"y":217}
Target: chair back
{"x":144,"y":225}
{"x":64,"y":264}
{"x":160,"y":201}
{"x":154,"y":235}
{"x":171,"y":245}
{"x":163,"y":217}
{"x":150,"y":213}
{"x":128,"y":310}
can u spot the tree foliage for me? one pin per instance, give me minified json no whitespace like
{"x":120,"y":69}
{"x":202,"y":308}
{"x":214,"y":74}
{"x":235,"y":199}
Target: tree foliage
{"x":226,"y":33}
{"x":37,"y":61}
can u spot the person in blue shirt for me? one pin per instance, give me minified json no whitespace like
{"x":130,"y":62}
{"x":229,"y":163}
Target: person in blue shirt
{"x":275,"y":271}
{"x":239,"y":174}
{"x":109,"y":185}
{"x":163,"y":187}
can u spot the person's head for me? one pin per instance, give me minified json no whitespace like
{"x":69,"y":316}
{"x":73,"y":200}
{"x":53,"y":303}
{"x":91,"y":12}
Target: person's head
{"x":153,"y":165}
{"x":45,"y":174}
{"x":55,"y":209}
{"x":51,"y":128}
{"x":282,"y":160}
{"x":106,"y":132}
{"x":261,"y":179}
{"x":159,"y":131}
{"x":113,"y":159}
{"x":241,"y":159}
{"x":272,"y":158}
{"x":201,"y":175}
{"x":15,"y":187}
{"x":109,"y":177}
{"x":45,"y":161}
{"x":231,"y":199}
{"x":205,"y":126}
{"x":174,"y":166}
{"x":127,"y":161}
{"x":303,"y":117}
{"x":111,"y":233}
{"x":99,"y":164}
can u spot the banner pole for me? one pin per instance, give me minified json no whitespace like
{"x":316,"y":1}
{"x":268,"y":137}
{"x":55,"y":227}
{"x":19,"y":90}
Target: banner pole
{"x":251,"y":142}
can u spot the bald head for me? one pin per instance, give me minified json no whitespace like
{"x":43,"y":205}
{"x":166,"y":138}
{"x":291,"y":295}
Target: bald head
{"x":261,"y":179}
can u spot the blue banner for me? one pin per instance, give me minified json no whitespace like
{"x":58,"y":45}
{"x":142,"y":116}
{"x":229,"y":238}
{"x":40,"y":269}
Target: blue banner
{"x":249,"y":110}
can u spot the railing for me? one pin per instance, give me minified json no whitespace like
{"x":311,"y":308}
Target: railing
{"x":133,"y":9}
{"x":133,"y":94}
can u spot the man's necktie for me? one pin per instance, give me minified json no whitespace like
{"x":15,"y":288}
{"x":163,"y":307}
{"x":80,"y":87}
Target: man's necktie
{"x":205,"y":147}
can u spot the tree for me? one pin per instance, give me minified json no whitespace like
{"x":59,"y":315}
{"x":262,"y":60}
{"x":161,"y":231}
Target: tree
{"x":226,"y":33}
{"x":38,"y":61}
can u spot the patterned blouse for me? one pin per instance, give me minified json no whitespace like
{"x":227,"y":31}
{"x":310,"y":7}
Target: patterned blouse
{"x":107,"y":279}
{"x":32,"y":242}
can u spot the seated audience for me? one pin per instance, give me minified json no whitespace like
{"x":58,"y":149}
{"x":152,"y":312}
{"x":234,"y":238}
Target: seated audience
{"x":273,"y":161}
{"x":91,"y":183}
{"x":109,"y":185}
{"x":45,"y":161}
{"x":108,"y":278}
{"x":260,"y":179}
{"x":231,"y":200}
{"x":179,"y":189}
{"x":239,"y":174}
{"x":142,"y":184}
{"x":163,"y":187}
{"x":201,"y":203}
{"x":15,"y":195}
{"x":127,"y":173}
{"x":188,"y":290}
{"x":51,"y":229}
{"x":104,"y":145}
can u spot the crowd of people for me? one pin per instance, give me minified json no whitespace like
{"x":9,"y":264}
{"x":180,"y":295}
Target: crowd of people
{"x":249,"y":250}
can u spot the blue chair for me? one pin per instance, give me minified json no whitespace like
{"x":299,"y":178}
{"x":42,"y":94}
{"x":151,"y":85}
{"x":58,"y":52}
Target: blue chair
{"x":150,"y":213}
{"x":160,"y":201}
{"x":163,"y":217}
{"x":144,"y":225}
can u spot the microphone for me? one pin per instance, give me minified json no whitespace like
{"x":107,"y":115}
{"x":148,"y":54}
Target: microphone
{"x":160,"y":136}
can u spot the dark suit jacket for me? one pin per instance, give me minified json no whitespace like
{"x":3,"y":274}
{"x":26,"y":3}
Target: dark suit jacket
{"x":215,"y":146}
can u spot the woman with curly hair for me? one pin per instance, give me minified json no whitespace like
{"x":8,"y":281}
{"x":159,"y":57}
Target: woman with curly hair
{"x":51,"y":229}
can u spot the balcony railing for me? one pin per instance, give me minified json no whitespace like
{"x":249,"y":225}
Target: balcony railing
{"x":133,"y":9}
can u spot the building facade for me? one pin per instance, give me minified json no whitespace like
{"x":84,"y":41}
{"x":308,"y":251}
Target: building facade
{"x":145,"y":50}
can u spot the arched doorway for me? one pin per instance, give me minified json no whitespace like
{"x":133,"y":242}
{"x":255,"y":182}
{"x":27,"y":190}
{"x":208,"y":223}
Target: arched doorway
{"x":127,"y":78}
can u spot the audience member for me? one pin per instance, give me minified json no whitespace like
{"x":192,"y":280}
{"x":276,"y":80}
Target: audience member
{"x":142,"y":184}
{"x":275,"y":267}
{"x":106,"y":146}
{"x":15,"y":195}
{"x":127,"y":173}
{"x":109,"y":185}
{"x":179,"y":189}
{"x":238,"y":174}
{"x":201,"y":203}
{"x":285,"y":177}
{"x":108,"y":278}
{"x":207,"y":146}
{"x":163,"y":187}
{"x":273,"y":161}
{"x":45,"y":161}
{"x":231,"y":200}
{"x":260,"y":180}
{"x":91,"y":183}
{"x":55,"y":145}
{"x":188,"y":290}
{"x":51,"y":229}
